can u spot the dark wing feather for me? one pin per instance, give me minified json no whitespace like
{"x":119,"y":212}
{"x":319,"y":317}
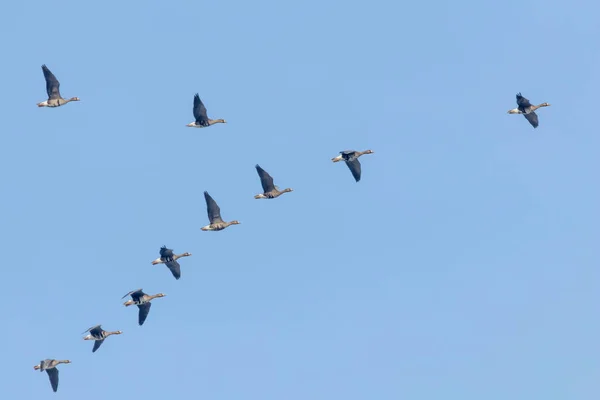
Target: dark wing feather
{"x":144,"y":310}
{"x":532,"y":118}
{"x":97,"y":345}
{"x":347,"y":153}
{"x":175,"y":268}
{"x":213,"y":210}
{"x":53,"y":375}
{"x":265,"y":179}
{"x":200,"y":111}
{"x":96,"y":331}
{"x":166,"y":254}
{"x":522,"y":102}
{"x":134,"y":293}
{"x":354,"y":166}
{"x":52,"y":84}
{"x":94,"y":327}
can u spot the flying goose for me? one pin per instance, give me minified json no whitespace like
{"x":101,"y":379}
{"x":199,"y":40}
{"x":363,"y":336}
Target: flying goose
{"x":214,"y":216}
{"x":167,"y":257}
{"x":49,"y":365}
{"x":527,"y":109}
{"x":98,"y":334}
{"x":52,"y":86}
{"x":202,"y":120}
{"x":142,"y":300}
{"x":351,"y":159}
{"x":270,"y":190}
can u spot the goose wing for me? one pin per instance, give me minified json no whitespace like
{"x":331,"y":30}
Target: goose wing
{"x":213,"y":210}
{"x":200,"y":111}
{"x":53,"y":375}
{"x":265,"y":179}
{"x":522,"y":102}
{"x":97,"y":345}
{"x":143,"y":313}
{"x":348,"y":154}
{"x":94,"y":330}
{"x":532,"y":118}
{"x":135,"y":294}
{"x":166,"y":254}
{"x":45,"y":364}
{"x":52,"y":84}
{"x":175,"y":268}
{"x":354,"y":166}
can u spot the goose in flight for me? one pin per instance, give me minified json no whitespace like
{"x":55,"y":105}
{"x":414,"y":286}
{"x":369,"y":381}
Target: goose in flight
{"x":98,"y":335}
{"x":142,"y":300}
{"x":214,"y":216}
{"x":527,"y":109}
{"x":52,"y":87}
{"x":351,"y":159}
{"x":170,"y":260}
{"x":49,"y":365}
{"x":270,"y":191}
{"x":201,"y":118}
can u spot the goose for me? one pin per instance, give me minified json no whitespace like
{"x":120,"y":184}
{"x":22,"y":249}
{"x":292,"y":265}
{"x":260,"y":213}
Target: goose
{"x":527,"y":109}
{"x":49,"y":365}
{"x":142,"y":300}
{"x":351,"y":159}
{"x":167,"y":257}
{"x":202,"y":120}
{"x":98,"y":334}
{"x":270,"y":190}
{"x":52,"y":87}
{"x":214,"y":216}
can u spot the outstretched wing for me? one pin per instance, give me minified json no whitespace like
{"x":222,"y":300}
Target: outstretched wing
{"x":134,"y":293}
{"x":522,"y":102}
{"x":52,"y":84}
{"x":97,"y":345}
{"x":354,"y":166}
{"x":144,"y":310}
{"x":175,"y":268}
{"x":53,"y":375}
{"x":346,"y":154}
{"x":96,"y":328}
{"x":166,"y":254}
{"x":532,"y":118}
{"x":200,"y":111}
{"x":213,"y":210}
{"x":265,"y":179}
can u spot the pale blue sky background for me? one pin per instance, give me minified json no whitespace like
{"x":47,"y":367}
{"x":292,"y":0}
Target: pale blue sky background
{"x":463,"y":266}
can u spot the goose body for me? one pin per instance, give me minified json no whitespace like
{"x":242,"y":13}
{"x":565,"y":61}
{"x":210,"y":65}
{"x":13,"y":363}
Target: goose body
{"x":214,"y":216}
{"x":98,"y":335}
{"x":350,"y":157}
{"x":142,"y":300}
{"x":49,"y":365}
{"x":527,"y":109}
{"x":52,"y":88}
{"x":170,"y":260}
{"x":200,"y":116}
{"x":270,"y":191}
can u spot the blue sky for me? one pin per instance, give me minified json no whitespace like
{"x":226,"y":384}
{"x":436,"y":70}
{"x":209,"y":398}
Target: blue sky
{"x":463,"y":265}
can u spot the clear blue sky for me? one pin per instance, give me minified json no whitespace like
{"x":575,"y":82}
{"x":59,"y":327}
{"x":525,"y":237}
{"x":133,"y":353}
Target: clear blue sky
{"x":464,"y":265}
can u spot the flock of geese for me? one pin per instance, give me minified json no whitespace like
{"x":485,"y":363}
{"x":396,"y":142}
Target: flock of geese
{"x":216,"y":222}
